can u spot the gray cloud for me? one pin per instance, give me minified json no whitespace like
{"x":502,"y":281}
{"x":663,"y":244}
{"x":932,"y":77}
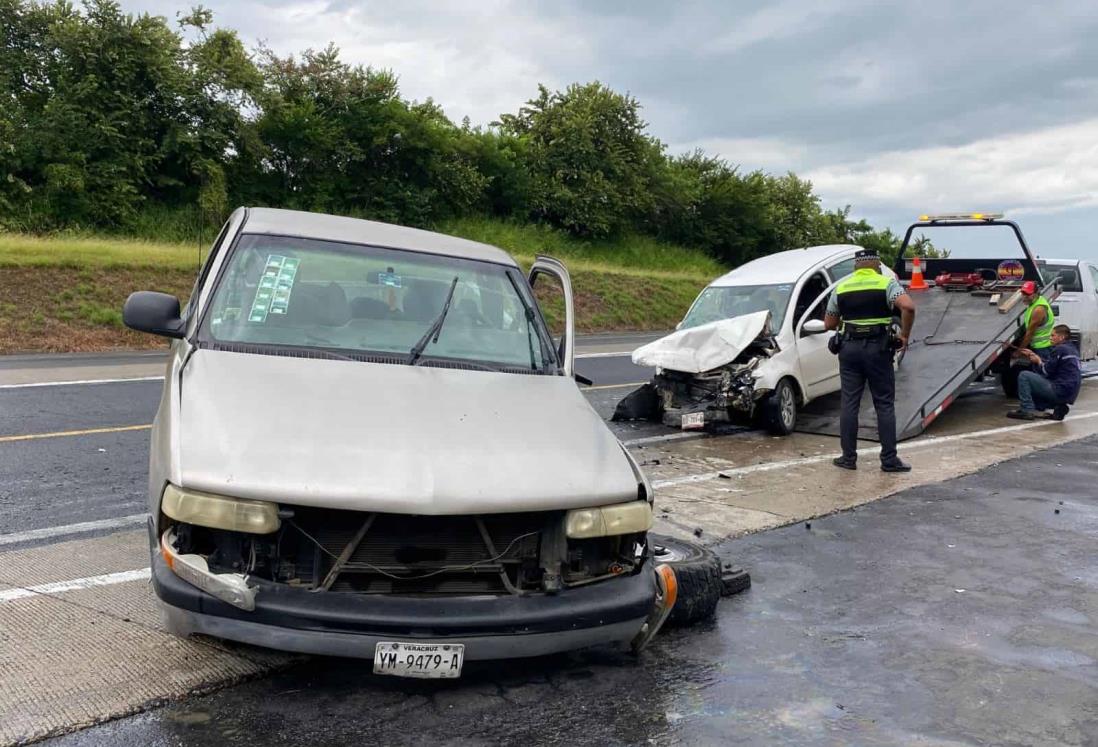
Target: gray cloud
{"x":836,"y":88}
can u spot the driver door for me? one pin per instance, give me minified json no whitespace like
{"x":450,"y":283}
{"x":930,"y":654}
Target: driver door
{"x":555,"y":272}
{"x":819,"y":367}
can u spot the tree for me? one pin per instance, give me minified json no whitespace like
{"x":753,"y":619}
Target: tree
{"x":589,"y":159}
{"x":106,"y":111}
{"x":337,"y":137}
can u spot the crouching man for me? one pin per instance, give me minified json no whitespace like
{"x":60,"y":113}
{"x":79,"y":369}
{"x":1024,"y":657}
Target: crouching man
{"x":1056,"y":381}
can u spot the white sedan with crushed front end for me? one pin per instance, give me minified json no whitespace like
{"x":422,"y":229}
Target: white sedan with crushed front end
{"x":752,"y":346}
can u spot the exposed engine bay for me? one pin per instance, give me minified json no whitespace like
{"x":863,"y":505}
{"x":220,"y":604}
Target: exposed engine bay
{"x":723,"y":391}
{"x":375,"y":553}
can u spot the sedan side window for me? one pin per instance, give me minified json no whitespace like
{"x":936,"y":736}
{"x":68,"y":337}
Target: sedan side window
{"x":840,"y":270}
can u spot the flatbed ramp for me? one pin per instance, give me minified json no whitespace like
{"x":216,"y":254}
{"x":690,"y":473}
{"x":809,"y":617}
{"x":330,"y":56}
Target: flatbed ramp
{"x":956,"y":337}
{"x":958,"y":334}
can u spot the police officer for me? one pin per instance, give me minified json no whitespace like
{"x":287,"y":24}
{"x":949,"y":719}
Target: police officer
{"x":861,"y":309}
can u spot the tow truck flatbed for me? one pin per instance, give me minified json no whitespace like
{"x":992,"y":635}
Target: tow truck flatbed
{"x":957,"y":337}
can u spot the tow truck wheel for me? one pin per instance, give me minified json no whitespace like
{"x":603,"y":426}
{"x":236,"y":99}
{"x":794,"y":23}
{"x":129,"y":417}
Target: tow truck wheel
{"x":698,"y":572}
{"x":779,"y":410}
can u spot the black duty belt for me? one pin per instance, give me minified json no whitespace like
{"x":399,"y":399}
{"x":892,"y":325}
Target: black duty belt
{"x":865,"y":331}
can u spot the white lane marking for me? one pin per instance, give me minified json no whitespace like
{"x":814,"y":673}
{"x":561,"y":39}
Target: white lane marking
{"x":660,"y":439}
{"x":61,"y":531}
{"x":611,"y":386}
{"x":57,"y":587}
{"x":80,"y":382}
{"x":769,"y":466}
{"x":620,"y":354}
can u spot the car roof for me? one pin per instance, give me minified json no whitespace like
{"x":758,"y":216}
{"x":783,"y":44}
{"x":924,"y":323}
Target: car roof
{"x":277,"y":222}
{"x":783,"y":267}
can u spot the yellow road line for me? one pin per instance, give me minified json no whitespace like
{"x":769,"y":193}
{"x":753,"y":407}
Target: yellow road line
{"x":88,"y":432}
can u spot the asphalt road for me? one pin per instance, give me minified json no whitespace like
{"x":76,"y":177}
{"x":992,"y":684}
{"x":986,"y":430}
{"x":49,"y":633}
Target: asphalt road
{"x":64,"y":480}
{"x":961,"y":612}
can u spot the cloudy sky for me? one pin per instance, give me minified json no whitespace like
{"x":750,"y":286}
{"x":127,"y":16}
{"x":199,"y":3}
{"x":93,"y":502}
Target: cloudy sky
{"x":894,"y":108}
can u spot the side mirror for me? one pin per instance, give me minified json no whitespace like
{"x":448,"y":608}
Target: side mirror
{"x":155,"y":313}
{"x":814,"y":327}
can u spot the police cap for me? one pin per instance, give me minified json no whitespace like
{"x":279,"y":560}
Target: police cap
{"x":866,"y":255}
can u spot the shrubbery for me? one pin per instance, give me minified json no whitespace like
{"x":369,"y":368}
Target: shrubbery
{"x":108,"y":119}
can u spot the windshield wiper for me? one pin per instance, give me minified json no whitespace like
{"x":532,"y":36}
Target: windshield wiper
{"x":435,"y":328}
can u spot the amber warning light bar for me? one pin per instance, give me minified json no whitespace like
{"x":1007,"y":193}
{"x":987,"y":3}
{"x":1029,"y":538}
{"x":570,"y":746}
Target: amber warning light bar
{"x":959,"y":216}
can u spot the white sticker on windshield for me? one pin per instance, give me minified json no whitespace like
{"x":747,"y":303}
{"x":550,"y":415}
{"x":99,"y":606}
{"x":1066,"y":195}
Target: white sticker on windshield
{"x":272,"y":295}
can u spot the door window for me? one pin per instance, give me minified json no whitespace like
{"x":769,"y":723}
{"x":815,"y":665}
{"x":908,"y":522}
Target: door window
{"x":1093,"y":276}
{"x":810,"y":291}
{"x":840,"y":270}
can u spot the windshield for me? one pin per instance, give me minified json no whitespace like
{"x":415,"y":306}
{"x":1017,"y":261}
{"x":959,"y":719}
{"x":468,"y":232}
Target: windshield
{"x":348,"y":298}
{"x":716,"y":303}
{"x":1070,"y":281}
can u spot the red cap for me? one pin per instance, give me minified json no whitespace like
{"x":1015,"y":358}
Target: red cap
{"x":1029,"y":287}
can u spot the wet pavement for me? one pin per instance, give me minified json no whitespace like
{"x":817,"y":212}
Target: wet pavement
{"x":960,"y":612}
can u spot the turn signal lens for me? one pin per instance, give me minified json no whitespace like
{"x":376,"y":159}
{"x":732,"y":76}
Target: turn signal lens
{"x":219,"y":511}
{"x":607,"y":521}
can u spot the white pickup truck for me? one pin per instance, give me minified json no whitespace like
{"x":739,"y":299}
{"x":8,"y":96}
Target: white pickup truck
{"x":1077,"y":306}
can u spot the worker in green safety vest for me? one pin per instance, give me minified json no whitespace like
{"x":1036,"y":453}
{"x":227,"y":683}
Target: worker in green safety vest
{"x":1038,"y":322}
{"x":861,"y":309}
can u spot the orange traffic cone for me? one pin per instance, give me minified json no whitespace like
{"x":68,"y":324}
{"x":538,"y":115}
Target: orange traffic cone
{"x":917,"y":283}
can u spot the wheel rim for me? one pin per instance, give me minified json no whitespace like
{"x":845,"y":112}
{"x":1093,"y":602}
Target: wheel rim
{"x":788,"y":407}
{"x":666,"y":553}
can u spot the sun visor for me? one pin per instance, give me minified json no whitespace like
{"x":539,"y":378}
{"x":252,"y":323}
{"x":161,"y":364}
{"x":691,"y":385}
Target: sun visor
{"x":703,"y":348}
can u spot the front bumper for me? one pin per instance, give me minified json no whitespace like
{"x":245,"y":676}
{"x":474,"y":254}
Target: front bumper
{"x":348,"y":624}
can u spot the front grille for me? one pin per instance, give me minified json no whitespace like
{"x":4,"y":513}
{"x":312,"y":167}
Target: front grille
{"x":401,"y":554}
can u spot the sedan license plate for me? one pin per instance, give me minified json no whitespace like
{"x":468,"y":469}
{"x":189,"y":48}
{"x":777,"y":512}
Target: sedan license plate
{"x":421,"y":660}
{"x":693,"y":421}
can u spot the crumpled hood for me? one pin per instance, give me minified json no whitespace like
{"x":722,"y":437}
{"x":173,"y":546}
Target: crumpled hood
{"x":703,"y":348}
{"x":393,"y":438}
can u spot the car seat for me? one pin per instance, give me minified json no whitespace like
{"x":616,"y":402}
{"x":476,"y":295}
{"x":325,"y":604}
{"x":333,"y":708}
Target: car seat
{"x":318,"y":305}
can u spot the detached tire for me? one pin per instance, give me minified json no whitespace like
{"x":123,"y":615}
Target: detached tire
{"x":698,"y":572}
{"x":779,"y":410}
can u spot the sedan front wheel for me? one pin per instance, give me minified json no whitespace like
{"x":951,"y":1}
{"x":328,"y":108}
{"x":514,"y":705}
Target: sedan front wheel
{"x":779,"y":410}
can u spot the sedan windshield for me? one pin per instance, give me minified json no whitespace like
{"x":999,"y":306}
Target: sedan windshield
{"x":716,"y":303}
{"x":351,"y":299}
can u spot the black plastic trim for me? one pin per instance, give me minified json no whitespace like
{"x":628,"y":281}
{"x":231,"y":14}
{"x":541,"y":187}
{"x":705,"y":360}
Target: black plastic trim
{"x":612,"y":601}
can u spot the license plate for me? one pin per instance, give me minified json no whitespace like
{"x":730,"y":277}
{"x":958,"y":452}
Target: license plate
{"x":421,"y":660}
{"x":693,"y":421}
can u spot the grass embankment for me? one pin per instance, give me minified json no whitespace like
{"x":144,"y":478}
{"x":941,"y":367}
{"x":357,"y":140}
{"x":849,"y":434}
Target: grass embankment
{"x":65,"y":294}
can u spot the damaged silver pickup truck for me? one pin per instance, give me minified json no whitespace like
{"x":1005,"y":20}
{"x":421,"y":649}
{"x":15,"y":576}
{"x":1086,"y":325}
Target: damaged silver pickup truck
{"x":751,"y":349}
{"x":369,"y":445}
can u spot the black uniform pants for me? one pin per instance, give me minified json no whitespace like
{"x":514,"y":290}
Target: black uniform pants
{"x":861,"y":361}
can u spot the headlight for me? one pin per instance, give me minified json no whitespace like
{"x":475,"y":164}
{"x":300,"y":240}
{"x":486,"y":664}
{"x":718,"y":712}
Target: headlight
{"x":219,"y":511}
{"x":606,"y":521}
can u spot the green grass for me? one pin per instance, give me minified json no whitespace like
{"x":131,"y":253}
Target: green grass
{"x":65,"y":292}
{"x":21,"y":250}
{"x":640,"y":255}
